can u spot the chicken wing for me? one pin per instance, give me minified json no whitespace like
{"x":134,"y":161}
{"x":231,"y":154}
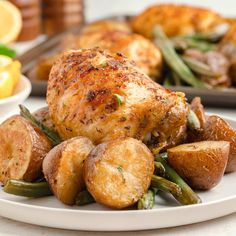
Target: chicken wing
{"x":175,"y":20}
{"x":104,"y":96}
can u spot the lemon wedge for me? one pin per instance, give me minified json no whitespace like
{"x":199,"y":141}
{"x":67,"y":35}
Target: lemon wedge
{"x":5,"y":60}
{"x":15,"y":72}
{"x":9,"y":75}
{"x":6,"y":84}
{"x":10,"y":23}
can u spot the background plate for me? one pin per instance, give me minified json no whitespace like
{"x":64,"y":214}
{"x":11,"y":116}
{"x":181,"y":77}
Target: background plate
{"x":48,"y":211}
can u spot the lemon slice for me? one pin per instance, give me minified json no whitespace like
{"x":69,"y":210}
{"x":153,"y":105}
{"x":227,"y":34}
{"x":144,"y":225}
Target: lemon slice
{"x":5,"y":60}
{"x":10,"y":23}
{"x":6,"y":84}
{"x":15,"y":71}
{"x":9,"y":75}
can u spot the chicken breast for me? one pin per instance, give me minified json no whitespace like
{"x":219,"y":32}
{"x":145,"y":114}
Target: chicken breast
{"x":104,"y":96}
{"x":175,"y":20}
{"x":137,"y":48}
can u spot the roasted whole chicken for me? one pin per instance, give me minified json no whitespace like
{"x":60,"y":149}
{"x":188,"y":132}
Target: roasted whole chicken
{"x":104,"y":96}
{"x":175,"y":20}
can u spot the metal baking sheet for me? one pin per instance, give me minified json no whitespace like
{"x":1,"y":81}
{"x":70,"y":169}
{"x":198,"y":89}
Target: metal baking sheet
{"x":210,"y":97}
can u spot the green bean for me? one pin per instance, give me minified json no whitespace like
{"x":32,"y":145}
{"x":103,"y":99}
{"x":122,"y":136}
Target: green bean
{"x":188,"y":196}
{"x":173,"y":60}
{"x":167,"y":82}
{"x":214,"y":36}
{"x":147,"y":201}
{"x":176,"y":79}
{"x":166,"y":186}
{"x":52,"y":135}
{"x":26,"y":189}
{"x":84,"y":198}
{"x":188,"y":42}
{"x":199,"y":67}
{"x":159,"y":169}
{"x":163,"y":155}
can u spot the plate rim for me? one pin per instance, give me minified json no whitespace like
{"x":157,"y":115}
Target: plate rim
{"x":115,"y":211}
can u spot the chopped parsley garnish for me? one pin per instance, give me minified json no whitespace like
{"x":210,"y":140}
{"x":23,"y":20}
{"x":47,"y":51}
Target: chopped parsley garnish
{"x":104,"y":64}
{"x":120,"y":99}
{"x":120,"y":169}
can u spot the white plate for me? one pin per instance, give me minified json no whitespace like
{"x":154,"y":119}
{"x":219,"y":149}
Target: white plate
{"x":50,"y":212}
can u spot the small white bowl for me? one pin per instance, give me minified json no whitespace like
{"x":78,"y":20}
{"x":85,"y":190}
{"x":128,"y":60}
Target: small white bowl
{"x":21,"y":92}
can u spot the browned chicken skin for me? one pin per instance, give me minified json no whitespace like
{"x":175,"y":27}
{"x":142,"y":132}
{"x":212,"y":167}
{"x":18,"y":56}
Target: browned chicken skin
{"x":137,"y":48}
{"x":104,"y":96}
{"x":108,"y":25}
{"x":175,"y":20}
{"x":113,"y":36}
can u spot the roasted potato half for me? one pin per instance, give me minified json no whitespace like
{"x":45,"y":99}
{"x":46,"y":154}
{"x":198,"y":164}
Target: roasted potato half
{"x":43,"y":116}
{"x":218,"y":129}
{"x":63,"y":168}
{"x":117,"y":173}
{"x":201,"y":164}
{"x":22,"y":150}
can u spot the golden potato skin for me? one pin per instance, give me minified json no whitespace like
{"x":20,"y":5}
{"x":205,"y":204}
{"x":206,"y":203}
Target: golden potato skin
{"x":82,"y":98}
{"x":137,"y":48}
{"x":218,"y":129}
{"x":117,"y":173}
{"x":43,"y":116}
{"x":107,"y":25}
{"x":22,"y":149}
{"x":63,"y":168}
{"x":201,"y":164}
{"x":175,"y":20}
